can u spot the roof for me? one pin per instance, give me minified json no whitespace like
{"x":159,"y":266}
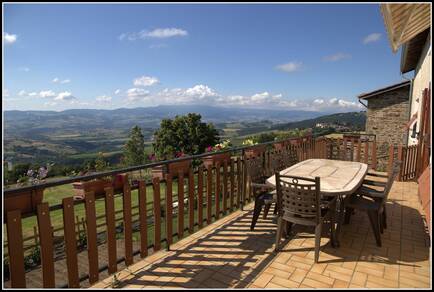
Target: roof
{"x":377,"y":92}
{"x":412,"y":51}
{"x":404,"y":21}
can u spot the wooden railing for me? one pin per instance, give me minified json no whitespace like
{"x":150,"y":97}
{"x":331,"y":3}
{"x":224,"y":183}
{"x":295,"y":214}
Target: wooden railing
{"x":203,"y":194}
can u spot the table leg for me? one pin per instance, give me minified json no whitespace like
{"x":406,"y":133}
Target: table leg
{"x":340,"y":219}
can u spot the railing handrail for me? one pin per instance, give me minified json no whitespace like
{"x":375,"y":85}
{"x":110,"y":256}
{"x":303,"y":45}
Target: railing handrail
{"x":11,"y":191}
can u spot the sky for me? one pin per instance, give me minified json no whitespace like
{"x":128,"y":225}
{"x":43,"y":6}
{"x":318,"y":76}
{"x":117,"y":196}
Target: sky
{"x":274,"y":56}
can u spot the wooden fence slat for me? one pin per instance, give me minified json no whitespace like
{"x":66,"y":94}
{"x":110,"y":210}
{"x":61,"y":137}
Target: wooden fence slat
{"x":169,"y":209}
{"x":191,"y":201}
{"x":359,"y":150}
{"x":70,"y":242}
{"x":217,"y":191}
{"x":209,"y":194}
{"x":232,"y":179}
{"x":157,"y":213}
{"x":225,"y":186}
{"x":366,"y":152}
{"x":400,"y":158}
{"x":374,"y":155}
{"x":92,"y":248}
{"x":180,"y":205}
{"x":128,"y":226}
{"x":239,"y":183}
{"x":46,"y":243}
{"x":15,"y":249}
{"x":391,"y":158}
{"x":143,"y":217}
{"x":110,"y":219}
{"x":200,"y":196}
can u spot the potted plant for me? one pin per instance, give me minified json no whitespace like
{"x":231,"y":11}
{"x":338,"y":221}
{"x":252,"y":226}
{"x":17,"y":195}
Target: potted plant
{"x":98,"y":186}
{"x":220,"y":157}
{"x":173,"y":168}
{"x":253,"y":151}
{"x":26,"y":201}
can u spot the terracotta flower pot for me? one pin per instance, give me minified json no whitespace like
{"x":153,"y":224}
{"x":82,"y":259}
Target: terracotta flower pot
{"x":254,"y":151}
{"x":279,"y":146}
{"x":25,"y":201}
{"x":98,"y":186}
{"x":213,"y":159}
{"x":173,"y":169}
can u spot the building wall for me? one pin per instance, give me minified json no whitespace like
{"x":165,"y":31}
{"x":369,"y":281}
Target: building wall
{"x":386,"y":116}
{"x":421,"y":81}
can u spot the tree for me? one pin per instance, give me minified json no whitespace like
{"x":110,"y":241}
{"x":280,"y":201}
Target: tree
{"x":186,"y":134}
{"x":100,"y":163}
{"x":134,"y":149}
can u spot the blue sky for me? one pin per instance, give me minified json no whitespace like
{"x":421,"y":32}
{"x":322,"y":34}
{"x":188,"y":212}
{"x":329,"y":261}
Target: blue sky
{"x":305,"y":56}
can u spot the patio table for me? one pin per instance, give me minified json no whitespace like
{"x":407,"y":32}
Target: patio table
{"x":338,"y":178}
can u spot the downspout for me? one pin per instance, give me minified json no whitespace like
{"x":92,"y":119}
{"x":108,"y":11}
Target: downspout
{"x":410,"y":101}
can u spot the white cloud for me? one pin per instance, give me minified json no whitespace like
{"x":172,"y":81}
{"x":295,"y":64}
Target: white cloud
{"x":31,"y":94}
{"x":5,"y":93}
{"x":65,"y":95}
{"x":57,"y":80}
{"x":289,"y":67}
{"x":137,"y":94}
{"x":336,"y":57}
{"x":166,"y":33}
{"x":159,"y":33}
{"x":50,"y":103}
{"x":24,"y":69}
{"x":373,"y":37}
{"x":9,"y":38}
{"x":103,"y":98}
{"x":47,"y":93}
{"x":117,"y":91}
{"x":145,"y":81}
{"x":22,"y":93}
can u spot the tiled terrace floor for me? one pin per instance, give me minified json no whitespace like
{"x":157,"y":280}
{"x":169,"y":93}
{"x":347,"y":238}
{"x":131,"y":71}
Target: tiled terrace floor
{"x":227,"y":254}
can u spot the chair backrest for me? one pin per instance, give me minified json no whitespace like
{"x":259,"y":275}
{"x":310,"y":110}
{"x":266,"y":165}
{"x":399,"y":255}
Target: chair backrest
{"x":255,"y":169}
{"x":298,"y":197}
{"x":392,"y":177}
{"x":290,"y":157}
{"x":278,"y":159}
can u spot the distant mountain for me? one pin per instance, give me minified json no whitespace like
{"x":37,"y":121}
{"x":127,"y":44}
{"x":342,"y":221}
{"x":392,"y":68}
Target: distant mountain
{"x":355,"y":120}
{"x":42,"y":122}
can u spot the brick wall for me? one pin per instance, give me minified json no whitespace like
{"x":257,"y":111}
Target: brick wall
{"x":386,"y":115}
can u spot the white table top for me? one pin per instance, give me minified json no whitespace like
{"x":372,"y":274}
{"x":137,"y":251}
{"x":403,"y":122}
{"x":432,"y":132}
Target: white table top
{"x":337,"y":177}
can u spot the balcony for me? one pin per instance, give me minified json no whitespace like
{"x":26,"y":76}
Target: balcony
{"x":165,"y":240}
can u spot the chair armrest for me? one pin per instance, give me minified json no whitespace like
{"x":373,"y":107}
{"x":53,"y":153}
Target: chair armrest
{"x":368,"y":192}
{"x":374,"y":183}
{"x":377,"y":174}
{"x":262,"y":186}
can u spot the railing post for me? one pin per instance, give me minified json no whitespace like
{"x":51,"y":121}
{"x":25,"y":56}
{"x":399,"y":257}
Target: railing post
{"x":143,"y":215}
{"x":374,"y":156}
{"x":391,"y":158}
{"x":15,"y":249}
{"x":400,"y":158}
{"x":157,"y":213}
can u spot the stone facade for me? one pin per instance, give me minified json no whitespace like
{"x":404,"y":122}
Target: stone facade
{"x":387,"y":114}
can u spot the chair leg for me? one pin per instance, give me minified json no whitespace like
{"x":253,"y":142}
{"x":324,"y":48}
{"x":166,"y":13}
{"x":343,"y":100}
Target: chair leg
{"x":278,"y":233}
{"x":287,"y":228}
{"x":373,"y":218}
{"x":256,"y":211}
{"x":317,"y":241}
{"x":384,"y":217}
{"x":348,"y":213}
{"x":332,"y":225}
{"x":266,"y":209}
{"x":380,"y":222}
{"x":275,"y":209}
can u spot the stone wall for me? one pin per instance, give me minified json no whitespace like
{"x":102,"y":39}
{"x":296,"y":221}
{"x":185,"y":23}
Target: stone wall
{"x":386,"y":116}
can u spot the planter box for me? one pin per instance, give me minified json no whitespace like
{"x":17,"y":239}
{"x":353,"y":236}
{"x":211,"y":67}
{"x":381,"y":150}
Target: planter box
{"x":98,"y":186}
{"x":25,"y":201}
{"x":213,"y":159}
{"x":279,"y":146}
{"x":255,"y":151}
{"x":172,"y":168}
{"x":424,"y":194}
